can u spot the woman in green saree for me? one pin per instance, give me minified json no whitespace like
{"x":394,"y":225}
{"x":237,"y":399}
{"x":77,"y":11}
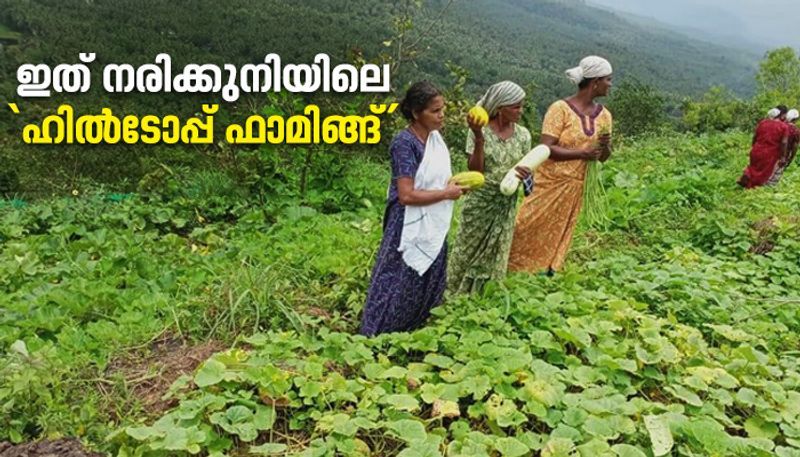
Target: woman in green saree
{"x":486,"y":225}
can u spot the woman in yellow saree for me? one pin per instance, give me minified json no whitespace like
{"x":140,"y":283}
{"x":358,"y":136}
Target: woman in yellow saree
{"x":577,"y":130}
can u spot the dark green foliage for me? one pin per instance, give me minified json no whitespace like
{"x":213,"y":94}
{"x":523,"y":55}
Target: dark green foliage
{"x":637,"y":108}
{"x":778,"y":79}
{"x":720,"y":110}
{"x":9,"y":182}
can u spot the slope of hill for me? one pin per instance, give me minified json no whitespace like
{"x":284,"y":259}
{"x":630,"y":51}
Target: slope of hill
{"x":757,"y":25}
{"x":524,"y":40}
{"x":731,"y":38}
{"x":536,"y":40}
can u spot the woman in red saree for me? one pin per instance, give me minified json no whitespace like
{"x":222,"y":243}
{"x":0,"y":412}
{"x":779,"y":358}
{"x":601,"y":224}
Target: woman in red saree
{"x":791,"y":150}
{"x":794,"y":136}
{"x":770,"y":145}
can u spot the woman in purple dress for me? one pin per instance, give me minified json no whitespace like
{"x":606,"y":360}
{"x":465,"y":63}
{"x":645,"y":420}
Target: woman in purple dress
{"x":399,"y":297}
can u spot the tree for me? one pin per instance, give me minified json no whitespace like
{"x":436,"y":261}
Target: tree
{"x":778,"y":79}
{"x":719,"y":110}
{"x":637,"y":108}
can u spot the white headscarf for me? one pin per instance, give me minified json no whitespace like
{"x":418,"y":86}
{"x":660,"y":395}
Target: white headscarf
{"x":773,"y":113}
{"x":792,"y":115}
{"x":590,"y":67}
{"x":504,"y":93}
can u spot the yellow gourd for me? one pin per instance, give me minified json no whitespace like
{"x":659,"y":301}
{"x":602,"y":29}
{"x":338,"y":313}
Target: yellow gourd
{"x":469,"y":179}
{"x":479,"y":114}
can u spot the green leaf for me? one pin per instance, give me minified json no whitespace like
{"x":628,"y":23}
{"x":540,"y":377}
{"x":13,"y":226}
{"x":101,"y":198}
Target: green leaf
{"x":511,"y":447}
{"x":238,"y":414}
{"x":751,"y":354}
{"x":264,"y":418}
{"x":775,"y":391}
{"x":513,"y":359}
{"x":268,"y":449}
{"x":503,"y":411}
{"x":696,"y":383}
{"x":724,"y":379}
{"x":574,"y":417}
{"x":577,"y":336}
{"x":621,"y":424}
{"x":533,"y":407}
{"x":595,"y":448}
{"x":16,"y":436}
{"x":709,"y":433}
{"x":142,"y":433}
{"x":445,"y":408}
{"x":627,"y":365}
{"x":310,"y":389}
{"x":20,"y":348}
{"x":599,"y":427}
{"x":558,"y":447}
{"x":237,"y":420}
{"x":477,"y":386}
{"x":210,"y":373}
{"x":437,"y":360}
{"x":730,"y":333}
{"x":427,"y":448}
{"x":626,"y":450}
{"x":408,"y":430}
{"x":547,"y":393}
{"x":402,"y":402}
{"x":660,"y":435}
{"x":338,"y":423}
{"x":394,"y":373}
{"x":586,"y":376}
{"x":766,"y":445}
{"x":373,"y":370}
{"x":432,"y":392}
{"x":556,"y":298}
{"x":182,"y":439}
{"x":758,"y":428}
{"x":685,"y":394}
{"x":781,"y":451}
{"x":715,"y":375}
{"x":565,"y":431}
{"x":748,"y":397}
{"x":791,"y":408}
{"x":605,"y":405}
{"x":534,"y":441}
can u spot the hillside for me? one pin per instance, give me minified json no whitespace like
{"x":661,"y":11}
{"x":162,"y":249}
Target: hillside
{"x":537,"y":40}
{"x":528,"y":41}
{"x":755,"y":25}
{"x":730,"y":38}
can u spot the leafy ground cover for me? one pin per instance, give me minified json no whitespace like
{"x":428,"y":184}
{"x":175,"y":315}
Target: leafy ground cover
{"x":673,"y":330}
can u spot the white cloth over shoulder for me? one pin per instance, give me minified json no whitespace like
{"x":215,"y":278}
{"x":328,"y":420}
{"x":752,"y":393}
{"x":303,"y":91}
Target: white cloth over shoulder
{"x":425,"y":227}
{"x":590,"y":67}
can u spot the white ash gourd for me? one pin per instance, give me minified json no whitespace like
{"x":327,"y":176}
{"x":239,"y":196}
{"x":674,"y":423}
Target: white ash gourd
{"x":532,"y":160}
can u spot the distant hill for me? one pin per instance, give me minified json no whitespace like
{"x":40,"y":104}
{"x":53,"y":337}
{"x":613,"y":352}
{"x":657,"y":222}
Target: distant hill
{"x":529,"y":41}
{"x":759,"y":26}
{"x":538,"y":39}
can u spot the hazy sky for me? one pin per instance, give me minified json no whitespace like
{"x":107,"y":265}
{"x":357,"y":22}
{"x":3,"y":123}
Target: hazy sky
{"x":765,"y":23}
